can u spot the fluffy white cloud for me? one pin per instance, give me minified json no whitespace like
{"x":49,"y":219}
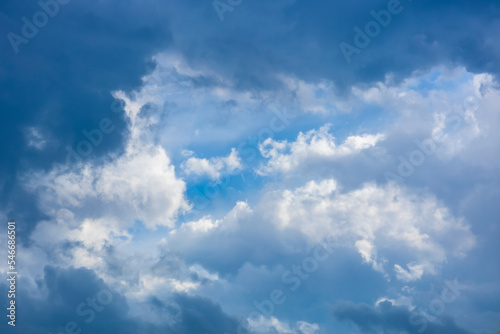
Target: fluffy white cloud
{"x":139,"y":184}
{"x":192,"y":230}
{"x":399,"y":233}
{"x":198,"y":106}
{"x":456,"y":108}
{"x":314,"y":146}
{"x":92,"y":205}
{"x":379,"y":221}
{"x":212,"y":167}
{"x":273,"y":325}
{"x":114,"y":253}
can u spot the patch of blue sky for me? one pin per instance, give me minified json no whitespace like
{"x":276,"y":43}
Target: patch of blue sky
{"x":438,"y":79}
{"x":138,"y":230}
{"x":218,"y":197}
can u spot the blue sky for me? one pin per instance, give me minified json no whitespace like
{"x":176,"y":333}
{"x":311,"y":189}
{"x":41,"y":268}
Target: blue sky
{"x":236,"y":166}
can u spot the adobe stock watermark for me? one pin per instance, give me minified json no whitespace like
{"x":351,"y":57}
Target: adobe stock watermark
{"x":88,"y":311}
{"x":293,"y":279}
{"x":30,"y":28}
{"x":249,"y":151}
{"x":372,"y":29}
{"x":225,"y":6}
{"x":12,"y":273}
{"x":436,"y":307}
{"x":427,"y":147}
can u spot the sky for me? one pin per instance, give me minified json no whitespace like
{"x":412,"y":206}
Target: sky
{"x":263,"y":167}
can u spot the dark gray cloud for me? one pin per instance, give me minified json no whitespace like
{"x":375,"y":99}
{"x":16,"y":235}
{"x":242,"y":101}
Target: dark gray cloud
{"x":200,"y":315}
{"x":80,"y":298}
{"x":62,"y":297}
{"x":258,"y":39}
{"x":60,"y":82}
{"x":391,"y":319}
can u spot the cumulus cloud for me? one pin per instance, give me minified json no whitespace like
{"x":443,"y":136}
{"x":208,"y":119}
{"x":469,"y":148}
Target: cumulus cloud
{"x":138,"y":184}
{"x":399,"y":233}
{"x":314,"y":146}
{"x":379,"y":221}
{"x":220,"y":84}
{"x":92,"y":208}
{"x":273,"y":325}
{"x":92,"y":205}
{"x":450,"y":105}
{"x":114,"y":253}
{"x":212,"y":167}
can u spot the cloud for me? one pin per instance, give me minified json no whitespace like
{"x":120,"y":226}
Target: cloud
{"x":65,"y":296}
{"x":317,"y":97}
{"x":293,"y":40}
{"x":213,"y":167}
{"x":314,"y":146}
{"x":215,"y":85}
{"x":390,"y":319}
{"x":35,"y":138}
{"x":83,"y":53}
{"x":273,"y":325}
{"x":303,"y":39}
{"x":78,"y":296}
{"x":379,"y":221}
{"x":113,"y":252}
{"x":92,"y":208}
{"x":400,"y":234}
{"x":201,"y":315}
{"x":450,"y":105}
{"x":138,"y":184}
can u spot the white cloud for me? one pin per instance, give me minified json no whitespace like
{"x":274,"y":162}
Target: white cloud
{"x":213,"y":167}
{"x":91,"y":205}
{"x":273,"y":325}
{"x":313,"y":146}
{"x":113,"y":253}
{"x":378,"y":221}
{"x":35,"y":138}
{"x":414,"y":272}
{"x":141,"y":184}
{"x":456,"y":107}
{"x":396,"y":232}
{"x":207,"y":225}
{"x":307,"y":328}
{"x":401,"y":300}
{"x":204,"y":224}
{"x":219,"y":111}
